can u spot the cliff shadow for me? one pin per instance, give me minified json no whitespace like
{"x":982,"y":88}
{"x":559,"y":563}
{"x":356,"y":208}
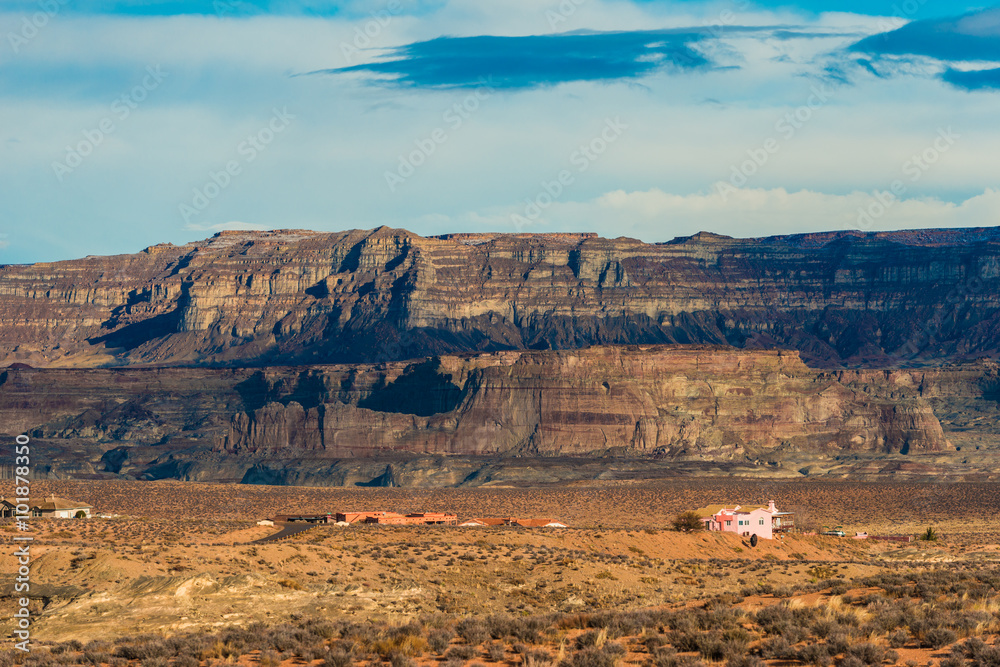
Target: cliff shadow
{"x":421,"y":390}
{"x":133,"y":335}
{"x":309,"y":391}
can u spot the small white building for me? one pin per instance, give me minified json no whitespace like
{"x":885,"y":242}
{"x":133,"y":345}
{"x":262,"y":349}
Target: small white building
{"x":60,"y":508}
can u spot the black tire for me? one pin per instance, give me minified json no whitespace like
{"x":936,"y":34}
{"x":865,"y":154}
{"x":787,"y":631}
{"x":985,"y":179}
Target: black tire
{"x":753,"y":540}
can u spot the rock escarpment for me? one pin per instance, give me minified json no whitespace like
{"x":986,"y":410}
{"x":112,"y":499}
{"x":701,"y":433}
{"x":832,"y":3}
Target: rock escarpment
{"x":524,"y":416}
{"x":646,"y":401}
{"x":845,"y":299}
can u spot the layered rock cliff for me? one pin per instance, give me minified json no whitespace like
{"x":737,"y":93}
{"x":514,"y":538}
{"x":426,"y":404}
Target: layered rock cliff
{"x":845,"y":299}
{"x":483,"y":416}
{"x":665,"y":401}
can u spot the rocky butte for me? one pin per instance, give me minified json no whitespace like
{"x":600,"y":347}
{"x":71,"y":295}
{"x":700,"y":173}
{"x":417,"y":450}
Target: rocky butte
{"x":382,"y":357}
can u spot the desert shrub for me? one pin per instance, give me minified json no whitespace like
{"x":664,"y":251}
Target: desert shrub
{"x":990,"y":657}
{"x":654,"y":641}
{"x":930,"y":535}
{"x":283,"y":638}
{"x":814,"y":654}
{"x":685,"y":641}
{"x":824,"y":627}
{"x":184,"y":661}
{"x":712,"y":648}
{"x":607,"y":656}
{"x":717,"y":649}
{"x":495,"y":651}
{"x":324,"y":629}
{"x":850,"y":661}
{"x":39,"y":659}
{"x":339,"y":657}
{"x":839,"y":588}
{"x":938,"y":638}
{"x":867,"y":653}
{"x":688,"y":522}
{"x":439,"y":639}
{"x":525,"y":629}
{"x":403,"y":644}
{"x":952,"y":661}
{"x":536,"y":656}
{"x":744,"y":661}
{"x":971,"y":648}
{"x":143,"y":650}
{"x":460,"y":653}
{"x":838,"y":643}
{"x":592,"y":638}
{"x":777,"y":648}
{"x":473,"y":631}
{"x":665,"y":657}
{"x":269,"y":658}
{"x":401,"y":660}
{"x":898,"y":639}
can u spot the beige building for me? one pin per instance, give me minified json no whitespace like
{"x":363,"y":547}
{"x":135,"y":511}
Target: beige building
{"x":60,"y":508}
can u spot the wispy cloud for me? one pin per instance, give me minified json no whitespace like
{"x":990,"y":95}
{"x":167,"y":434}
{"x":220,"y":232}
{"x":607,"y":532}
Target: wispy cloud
{"x":974,"y":37}
{"x":225,"y":226}
{"x":534,"y":60}
{"x":655,"y":215}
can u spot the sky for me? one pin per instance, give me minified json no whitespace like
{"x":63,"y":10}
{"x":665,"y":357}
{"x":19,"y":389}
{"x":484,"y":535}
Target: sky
{"x":124,"y":124}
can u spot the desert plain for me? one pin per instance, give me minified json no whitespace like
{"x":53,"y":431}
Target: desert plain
{"x":170,"y":576}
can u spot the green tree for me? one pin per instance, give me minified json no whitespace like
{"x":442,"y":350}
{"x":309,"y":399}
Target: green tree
{"x":930,"y":535}
{"x":688,"y":521}
{"x":80,"y":514}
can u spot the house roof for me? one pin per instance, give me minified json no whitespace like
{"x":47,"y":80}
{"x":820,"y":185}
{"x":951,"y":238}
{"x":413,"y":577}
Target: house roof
{"x":535,"y":523}
{"x":712,"y":510}
{"x":512,"y":521}
{"x":53,"y":503}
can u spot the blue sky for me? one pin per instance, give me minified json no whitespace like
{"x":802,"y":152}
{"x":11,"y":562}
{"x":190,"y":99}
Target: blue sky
{"x":124,"y":124}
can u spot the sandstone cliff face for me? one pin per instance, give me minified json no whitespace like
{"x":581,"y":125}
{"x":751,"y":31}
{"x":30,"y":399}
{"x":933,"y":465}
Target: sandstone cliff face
{"x":647,"y":401}
{"x":841,"y":299}
{"x":513,"y":416}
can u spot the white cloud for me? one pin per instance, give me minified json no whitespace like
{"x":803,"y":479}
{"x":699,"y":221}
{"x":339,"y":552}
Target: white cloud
{"x":654,"y":215}
{"x":226,"y":226}
{"x":686,"y":131}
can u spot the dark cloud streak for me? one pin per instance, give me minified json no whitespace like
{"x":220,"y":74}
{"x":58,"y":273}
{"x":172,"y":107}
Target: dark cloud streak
{"x":534,"y":61}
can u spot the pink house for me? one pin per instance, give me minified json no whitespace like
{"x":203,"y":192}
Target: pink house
{"x":764,"y":522}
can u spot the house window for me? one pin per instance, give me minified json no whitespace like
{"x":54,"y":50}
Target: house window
{"x":729,"y":523}
{"x":762,"y":522}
